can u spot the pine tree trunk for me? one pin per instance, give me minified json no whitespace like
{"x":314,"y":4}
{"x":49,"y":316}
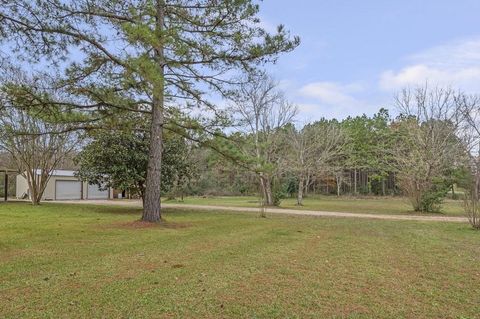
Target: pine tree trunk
{"x":152,"y":207}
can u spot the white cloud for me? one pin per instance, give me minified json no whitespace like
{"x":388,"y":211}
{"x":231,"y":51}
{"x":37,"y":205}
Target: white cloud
{"x":331,"y":93}
{"x":460,"y":54}
{"x":308,"y":108}
{"x":331,"y":99}
{"x":456,"y":64}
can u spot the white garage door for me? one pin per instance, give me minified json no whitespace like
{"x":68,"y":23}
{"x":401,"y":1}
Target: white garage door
{"x":95,"y":193}
{"x":68,"y":190}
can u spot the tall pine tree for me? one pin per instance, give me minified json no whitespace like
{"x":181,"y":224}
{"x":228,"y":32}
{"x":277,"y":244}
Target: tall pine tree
{"x":148,"y":56}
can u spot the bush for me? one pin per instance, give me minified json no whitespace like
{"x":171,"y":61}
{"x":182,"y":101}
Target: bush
{"x":278,"y":194}
{"x":363,"y":190}
{"x":432,"y":200}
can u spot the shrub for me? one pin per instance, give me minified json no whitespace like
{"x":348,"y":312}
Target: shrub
{"x":432,"y":200}
{"x":278,"y":195}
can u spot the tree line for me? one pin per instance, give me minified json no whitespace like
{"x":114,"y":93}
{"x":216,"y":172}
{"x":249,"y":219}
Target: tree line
{"x":422,"y":152}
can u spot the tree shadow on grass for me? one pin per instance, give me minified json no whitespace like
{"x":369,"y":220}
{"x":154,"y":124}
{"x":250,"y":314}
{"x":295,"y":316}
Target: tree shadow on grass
{"x":114,"y":210}
{"x":164,"y":224}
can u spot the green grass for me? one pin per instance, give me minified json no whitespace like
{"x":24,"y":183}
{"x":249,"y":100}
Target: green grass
{"x":67,"y":261}
{"x":369,"y":205}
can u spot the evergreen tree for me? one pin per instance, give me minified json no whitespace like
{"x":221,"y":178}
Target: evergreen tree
{"x":147,"y":56}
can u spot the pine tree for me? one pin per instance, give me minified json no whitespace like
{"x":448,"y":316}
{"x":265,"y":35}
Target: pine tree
{"x":147,"y":56}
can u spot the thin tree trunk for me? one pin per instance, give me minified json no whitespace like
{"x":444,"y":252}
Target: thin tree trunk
{"x":338,"y":186}
{"x":152,"y":207}
{"x":5,"y":181}
{"x":355,"y":182}
{"x":267,"y":190}
{"x":36,"y":185}
{"x":475,"y":196}
{"x":264,"y":191}
{"x":301,"y":185}
{"x":369,"y":184}
{"x":394,"y":183}
{"x":36,"y":201}
{"x":307,"y":185}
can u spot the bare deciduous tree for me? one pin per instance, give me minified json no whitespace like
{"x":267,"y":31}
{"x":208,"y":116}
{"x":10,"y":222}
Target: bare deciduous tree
{"x":262,"y":110}
{"x":312,"y":150}
{"x":470,"y":134}
{"x":428,"y":145}
{"x":34,"y":150}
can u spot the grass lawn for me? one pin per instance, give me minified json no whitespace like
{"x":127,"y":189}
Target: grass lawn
{"x":371,"y":205}
{"x":67,"y":261}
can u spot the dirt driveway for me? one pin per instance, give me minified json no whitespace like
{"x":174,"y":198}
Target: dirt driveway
{"x":135,"y":203}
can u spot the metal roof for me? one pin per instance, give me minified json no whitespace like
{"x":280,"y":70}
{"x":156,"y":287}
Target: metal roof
{"x":59,"y":172}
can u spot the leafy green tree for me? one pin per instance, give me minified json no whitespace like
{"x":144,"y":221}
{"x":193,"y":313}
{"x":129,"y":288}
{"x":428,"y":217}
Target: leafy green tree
{"x":115,"y":159}
{"x":146,"y":56}
{"x":179,"y":166}
{"x":120,"y":160}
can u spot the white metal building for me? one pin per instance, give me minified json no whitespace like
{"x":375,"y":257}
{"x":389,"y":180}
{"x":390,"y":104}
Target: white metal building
{"x":63,"y":185}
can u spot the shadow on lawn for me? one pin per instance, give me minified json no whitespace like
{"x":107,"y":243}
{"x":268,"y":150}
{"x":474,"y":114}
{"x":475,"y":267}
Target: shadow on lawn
{"x":137,"y":212}
{"x":138,"y":224}
{"x":117,"y":210}
{"x":89,"y":209}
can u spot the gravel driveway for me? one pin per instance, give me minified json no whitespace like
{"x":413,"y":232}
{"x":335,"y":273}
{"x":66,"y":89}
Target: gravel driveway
{"x":138,"y":204}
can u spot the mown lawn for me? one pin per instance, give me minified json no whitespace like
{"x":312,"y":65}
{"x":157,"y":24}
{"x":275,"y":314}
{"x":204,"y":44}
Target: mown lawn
{"x":369,"y":205}
{"x":67,"y":261}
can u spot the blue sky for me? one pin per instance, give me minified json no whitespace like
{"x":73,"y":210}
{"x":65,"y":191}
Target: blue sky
{"x":355,"y":54}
